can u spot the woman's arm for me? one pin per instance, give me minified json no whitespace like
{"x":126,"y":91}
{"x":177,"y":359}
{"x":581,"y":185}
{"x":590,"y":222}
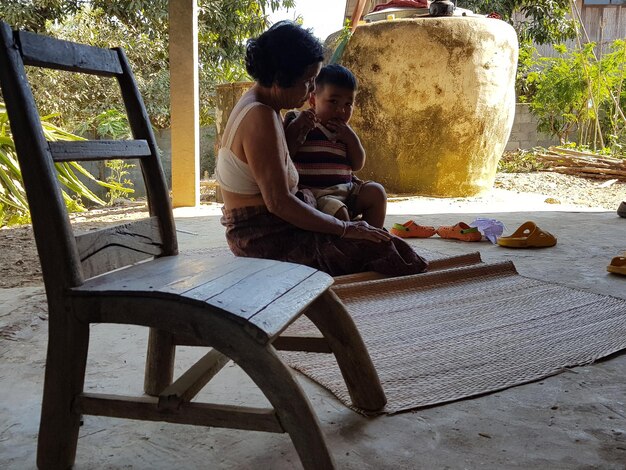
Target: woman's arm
{"x":261,"y":132}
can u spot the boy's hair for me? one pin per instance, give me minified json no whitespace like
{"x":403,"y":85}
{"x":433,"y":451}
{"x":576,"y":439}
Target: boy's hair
{"x":338,"y":75}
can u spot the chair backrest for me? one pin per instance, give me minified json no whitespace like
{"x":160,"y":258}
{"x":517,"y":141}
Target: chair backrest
{"x":66,"y":260}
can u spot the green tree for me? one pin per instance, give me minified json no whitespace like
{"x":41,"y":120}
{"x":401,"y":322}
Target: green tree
{"x":544,"y":21}
{"x":13,"y":204}
{"x":574,"y":91}
{"x":141,"y":28}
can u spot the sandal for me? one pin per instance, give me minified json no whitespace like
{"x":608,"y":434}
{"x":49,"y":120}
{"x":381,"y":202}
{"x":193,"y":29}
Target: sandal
{"x":410,"y":229}
{"x":460,"y":231}
{"x":528,"y":235}
{"x":618,"y":265}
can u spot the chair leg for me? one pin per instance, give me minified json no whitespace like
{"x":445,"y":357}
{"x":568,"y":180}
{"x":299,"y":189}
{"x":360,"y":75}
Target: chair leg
{"x":290,"y":403}
{"x":68,"y":342}
{"x":159,"y":362}
{"x":330,"y":316}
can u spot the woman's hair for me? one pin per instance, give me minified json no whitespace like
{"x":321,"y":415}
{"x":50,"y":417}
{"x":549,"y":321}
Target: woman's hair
{"x":338,"y":75}
{"x":281,"y":54}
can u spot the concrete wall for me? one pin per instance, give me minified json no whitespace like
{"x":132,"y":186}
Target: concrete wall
{"x":164,"y":142}
{"x":524,"y":133}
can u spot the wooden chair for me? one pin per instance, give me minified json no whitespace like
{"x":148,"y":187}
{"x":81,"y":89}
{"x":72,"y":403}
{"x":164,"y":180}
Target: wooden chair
{"x":238,"y":308}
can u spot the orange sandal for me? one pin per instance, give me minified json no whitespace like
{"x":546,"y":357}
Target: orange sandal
{"x":460,"y":231}
{"x":411,"y":230}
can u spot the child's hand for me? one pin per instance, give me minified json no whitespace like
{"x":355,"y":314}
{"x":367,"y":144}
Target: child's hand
{"x":302,"y":125}
{"x":342,"y":130}
{"x":354,"y":150}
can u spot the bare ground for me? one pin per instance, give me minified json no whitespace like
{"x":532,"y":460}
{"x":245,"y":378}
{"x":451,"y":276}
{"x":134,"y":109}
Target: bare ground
{"x":19,"y":266}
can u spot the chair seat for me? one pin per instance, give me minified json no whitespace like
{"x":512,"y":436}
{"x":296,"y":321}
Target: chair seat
{"x":266,"y":295}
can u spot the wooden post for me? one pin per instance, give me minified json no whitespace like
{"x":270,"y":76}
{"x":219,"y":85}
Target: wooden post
{"x":184,"y":97}
{"x":159,"y":362}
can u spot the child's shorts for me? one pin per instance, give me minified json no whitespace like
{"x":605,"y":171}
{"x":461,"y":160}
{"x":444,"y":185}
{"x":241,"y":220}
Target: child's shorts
{"x":332,"y":199}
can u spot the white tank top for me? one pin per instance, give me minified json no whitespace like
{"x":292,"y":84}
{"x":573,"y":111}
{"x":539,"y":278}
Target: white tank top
{"x":234,"y":175}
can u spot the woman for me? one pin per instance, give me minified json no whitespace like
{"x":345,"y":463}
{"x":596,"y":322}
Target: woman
{"x":264,"y":213}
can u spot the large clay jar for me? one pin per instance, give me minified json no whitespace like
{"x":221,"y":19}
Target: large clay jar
{"x":436,"y":102}
{"x":227,"y":96}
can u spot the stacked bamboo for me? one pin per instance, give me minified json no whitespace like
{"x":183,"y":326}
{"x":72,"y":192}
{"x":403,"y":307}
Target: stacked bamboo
{"x":577,"y":163}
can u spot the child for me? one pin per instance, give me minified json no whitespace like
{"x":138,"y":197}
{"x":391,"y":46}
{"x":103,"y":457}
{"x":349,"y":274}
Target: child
{"x":326,"y":151}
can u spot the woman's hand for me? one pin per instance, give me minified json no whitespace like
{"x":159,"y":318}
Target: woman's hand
{"x":300,"y":127}
{"x":361,"y":230}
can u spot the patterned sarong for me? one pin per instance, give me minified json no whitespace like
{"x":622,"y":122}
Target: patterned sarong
{"x":255,"y":232}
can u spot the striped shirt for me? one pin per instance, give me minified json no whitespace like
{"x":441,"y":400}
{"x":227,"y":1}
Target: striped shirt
{"x":322,"y":161}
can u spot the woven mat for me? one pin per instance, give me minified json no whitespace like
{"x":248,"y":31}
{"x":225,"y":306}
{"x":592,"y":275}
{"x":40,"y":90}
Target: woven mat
{"x":459,"y":332}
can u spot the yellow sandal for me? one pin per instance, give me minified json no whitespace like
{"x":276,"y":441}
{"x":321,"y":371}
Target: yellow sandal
{"x":528,"y":235}
{"x":618,"y":265}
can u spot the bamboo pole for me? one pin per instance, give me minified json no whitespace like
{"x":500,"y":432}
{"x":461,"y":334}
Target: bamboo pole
{"x":356,"y":14}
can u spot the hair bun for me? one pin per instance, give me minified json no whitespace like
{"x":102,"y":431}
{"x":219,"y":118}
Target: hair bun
{"x":252,"y":57}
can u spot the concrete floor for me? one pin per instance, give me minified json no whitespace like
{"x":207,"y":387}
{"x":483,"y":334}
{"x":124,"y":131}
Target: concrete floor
{"x":574,"y":420}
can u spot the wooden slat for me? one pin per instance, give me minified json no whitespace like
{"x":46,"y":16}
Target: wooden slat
{"x":302,"y":343}
{"x":238,"y":283}
{"x":280,"y":313}
{"x":247,"y":298}
{"x":157,"y":273}
{"x":611,"y":17}
{"x":158,"y":193}
{"x":205,"y":283}
{"x":89,"y":150}
{"x":591,"y":21}
{"x":111,"y":248}
{"x":43,"y":51}
{"x":110,"y":259}
{"x":193,"y":380}
{"x":358,"y":277}
{"x":166,"y":273}
{"x":200,"y":414}
{"x":315,"y":344}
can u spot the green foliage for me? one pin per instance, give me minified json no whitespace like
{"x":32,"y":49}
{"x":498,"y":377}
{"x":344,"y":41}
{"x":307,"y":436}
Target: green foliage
{"x":122,"y":186}
{"x":544,"y":21}
{"x":13,"y":203}
{"x":520,"y":161}
{"x":141,"y":28}
{"x":574,"y":91}
{"x":560,"y":97}
{"x":526,"y":63}
{"x":113,"y":124}
{"x":340,"y":43}
{"x":109,"y":124}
